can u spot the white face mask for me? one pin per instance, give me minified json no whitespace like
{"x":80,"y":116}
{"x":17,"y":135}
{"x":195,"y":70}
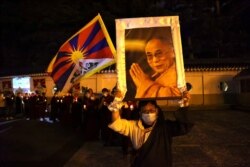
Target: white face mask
{"x":149,"y":118}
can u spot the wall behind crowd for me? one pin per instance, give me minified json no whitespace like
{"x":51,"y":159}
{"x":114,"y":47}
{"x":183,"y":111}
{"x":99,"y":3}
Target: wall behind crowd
{"x":206,"y":86}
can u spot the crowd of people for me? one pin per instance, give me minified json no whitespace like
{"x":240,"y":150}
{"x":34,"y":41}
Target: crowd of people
{"x":87,"y":112}
{"x":138,"y":127}
{"x":30,"y":106}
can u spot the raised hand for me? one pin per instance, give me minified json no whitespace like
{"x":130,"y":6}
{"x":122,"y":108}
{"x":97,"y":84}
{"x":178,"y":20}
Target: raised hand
{"x":137,"y":74}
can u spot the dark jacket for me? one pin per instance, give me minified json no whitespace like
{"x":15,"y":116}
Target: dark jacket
{"x":156,"y":151}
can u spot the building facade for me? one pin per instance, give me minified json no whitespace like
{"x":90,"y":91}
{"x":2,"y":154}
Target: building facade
{"x":210,"y":85}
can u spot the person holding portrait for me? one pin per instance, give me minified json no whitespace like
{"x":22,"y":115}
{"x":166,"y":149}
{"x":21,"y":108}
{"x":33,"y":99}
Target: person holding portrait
{"x":151,"y":134}
{"x":161,"y":59}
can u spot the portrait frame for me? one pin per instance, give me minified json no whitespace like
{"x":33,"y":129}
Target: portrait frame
{"x":124,"y":44}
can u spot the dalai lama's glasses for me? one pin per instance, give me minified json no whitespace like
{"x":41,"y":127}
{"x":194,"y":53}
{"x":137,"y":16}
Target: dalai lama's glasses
{"x":157,"y":54}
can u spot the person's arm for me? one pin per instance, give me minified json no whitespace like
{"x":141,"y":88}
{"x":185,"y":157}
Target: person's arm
{"x":115,"y":106}
{"x":181,"y":125}
{"x":119,"y":125}
{"x":115,"y":115}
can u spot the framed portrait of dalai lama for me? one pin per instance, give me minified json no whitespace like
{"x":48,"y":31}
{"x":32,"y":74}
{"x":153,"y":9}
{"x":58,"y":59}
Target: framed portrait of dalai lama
{"x":149,"y":58}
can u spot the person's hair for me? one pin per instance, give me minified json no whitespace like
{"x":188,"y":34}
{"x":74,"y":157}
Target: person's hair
{"x":90,"y":90}
{"x":105,"y":90}
{"x":143,"y":103}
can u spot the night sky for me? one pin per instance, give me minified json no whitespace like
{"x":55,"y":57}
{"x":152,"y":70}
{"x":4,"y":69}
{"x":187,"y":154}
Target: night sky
{"x":32,"y":31}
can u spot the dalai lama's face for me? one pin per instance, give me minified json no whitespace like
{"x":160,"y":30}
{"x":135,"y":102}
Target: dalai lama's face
{"x":160,"y":55}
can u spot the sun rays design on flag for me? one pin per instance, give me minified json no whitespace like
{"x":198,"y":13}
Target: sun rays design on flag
{"x":89,"y":43}
{"x":76,"y":55}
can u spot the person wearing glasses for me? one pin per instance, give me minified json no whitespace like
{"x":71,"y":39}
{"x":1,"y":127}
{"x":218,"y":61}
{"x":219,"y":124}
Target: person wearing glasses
{"x":151,"y":135}
{"x":161,"y":59}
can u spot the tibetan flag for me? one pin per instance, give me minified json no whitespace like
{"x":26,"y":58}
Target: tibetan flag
{"x":85,"y":53}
